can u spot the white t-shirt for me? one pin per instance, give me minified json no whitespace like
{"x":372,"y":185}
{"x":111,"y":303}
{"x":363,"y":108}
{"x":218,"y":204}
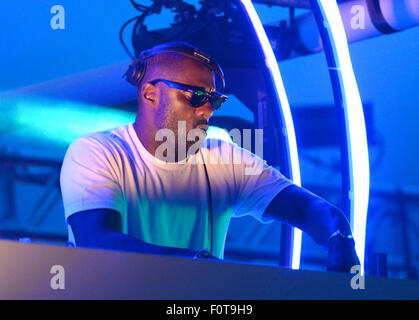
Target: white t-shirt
{"x":167,"y":204}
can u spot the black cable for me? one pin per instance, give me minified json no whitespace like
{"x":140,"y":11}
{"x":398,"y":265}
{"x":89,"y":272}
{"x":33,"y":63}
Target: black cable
{"x":137,"y":26}
{"x":121,"y":39}
{"x":146,"y":11}
{"x":138,"y":6}
{"x":209,"y":202}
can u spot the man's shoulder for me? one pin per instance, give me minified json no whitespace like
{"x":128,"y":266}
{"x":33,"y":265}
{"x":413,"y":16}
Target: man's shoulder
{"x":104,"y":137}
{"x":102,"y":141}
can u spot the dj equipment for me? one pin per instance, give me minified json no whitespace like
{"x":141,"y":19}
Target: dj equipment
{"x":39,"y":271}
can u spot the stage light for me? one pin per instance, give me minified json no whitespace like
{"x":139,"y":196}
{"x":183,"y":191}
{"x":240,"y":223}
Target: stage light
{"x":60,"y":122}
{"x":272,"y":65}
{"x":344,"y":83}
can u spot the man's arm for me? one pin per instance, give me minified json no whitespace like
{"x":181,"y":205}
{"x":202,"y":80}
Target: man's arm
{"x":319,"y":219}
{"x":102,"y":228}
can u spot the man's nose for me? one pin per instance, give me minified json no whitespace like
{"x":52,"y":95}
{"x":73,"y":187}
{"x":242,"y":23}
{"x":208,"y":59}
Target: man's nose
{"x":204,"y":111}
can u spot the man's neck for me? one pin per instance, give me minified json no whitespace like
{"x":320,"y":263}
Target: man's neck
{"x":146,"y":137}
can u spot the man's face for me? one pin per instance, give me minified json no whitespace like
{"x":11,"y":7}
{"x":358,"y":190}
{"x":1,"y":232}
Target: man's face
{"x":174,"y":111}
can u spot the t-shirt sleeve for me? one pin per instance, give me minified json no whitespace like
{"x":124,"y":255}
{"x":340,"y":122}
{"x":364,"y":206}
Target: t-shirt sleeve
{"x":89,"y":178}
{"x":257,"y":184}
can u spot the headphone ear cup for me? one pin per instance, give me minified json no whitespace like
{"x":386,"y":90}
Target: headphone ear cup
{"x":135,"y":73}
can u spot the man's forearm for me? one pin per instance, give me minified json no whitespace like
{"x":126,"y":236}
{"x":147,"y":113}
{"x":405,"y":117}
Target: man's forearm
{"x":319,"y":219}
{"x":308,"y":212}
{"x":120,"y":241}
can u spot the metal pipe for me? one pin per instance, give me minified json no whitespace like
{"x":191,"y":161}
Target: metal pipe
{"x":361,"y":19}
{"x":354,"y":148}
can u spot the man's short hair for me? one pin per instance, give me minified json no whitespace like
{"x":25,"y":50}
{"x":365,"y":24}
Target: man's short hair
{"x":169,"y":52}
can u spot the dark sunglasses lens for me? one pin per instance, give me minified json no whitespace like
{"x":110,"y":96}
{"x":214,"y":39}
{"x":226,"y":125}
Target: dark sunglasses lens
{"x":216,"y":102}
{"x":198,"y":99}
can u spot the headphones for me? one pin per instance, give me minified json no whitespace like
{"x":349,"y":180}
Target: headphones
{"x":137,"y":68}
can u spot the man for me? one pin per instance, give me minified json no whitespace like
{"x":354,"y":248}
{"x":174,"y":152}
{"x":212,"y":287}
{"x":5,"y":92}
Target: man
{"x":154,"y":186}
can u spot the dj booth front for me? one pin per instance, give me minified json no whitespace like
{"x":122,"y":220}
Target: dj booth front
{"x":39,"y":271}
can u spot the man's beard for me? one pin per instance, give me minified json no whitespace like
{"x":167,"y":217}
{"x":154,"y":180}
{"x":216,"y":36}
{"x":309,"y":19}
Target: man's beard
{"x":179,"y":140}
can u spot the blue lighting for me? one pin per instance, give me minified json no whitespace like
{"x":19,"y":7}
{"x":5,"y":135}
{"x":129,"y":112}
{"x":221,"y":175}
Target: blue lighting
{"x":272,"y":65}
{"x":357,"y":147}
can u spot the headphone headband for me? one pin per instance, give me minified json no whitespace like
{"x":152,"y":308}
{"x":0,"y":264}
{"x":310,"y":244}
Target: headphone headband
{"x":136,"y":70}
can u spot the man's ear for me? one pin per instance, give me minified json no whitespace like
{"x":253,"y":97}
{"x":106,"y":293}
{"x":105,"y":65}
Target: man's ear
{"x":149,"y":94}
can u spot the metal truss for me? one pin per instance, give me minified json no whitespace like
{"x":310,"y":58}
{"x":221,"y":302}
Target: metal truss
{"x":17,"y":169}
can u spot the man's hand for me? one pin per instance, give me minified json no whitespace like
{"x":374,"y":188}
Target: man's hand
{"x":205,"y":255}
{"x":320,"y":219}
{"x":341,"y":254}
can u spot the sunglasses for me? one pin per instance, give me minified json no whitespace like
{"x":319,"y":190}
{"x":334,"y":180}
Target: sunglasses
{"x":199,"y":95}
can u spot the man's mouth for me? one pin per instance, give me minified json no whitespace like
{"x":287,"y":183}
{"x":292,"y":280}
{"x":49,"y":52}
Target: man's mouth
{"x":202,"y":126}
